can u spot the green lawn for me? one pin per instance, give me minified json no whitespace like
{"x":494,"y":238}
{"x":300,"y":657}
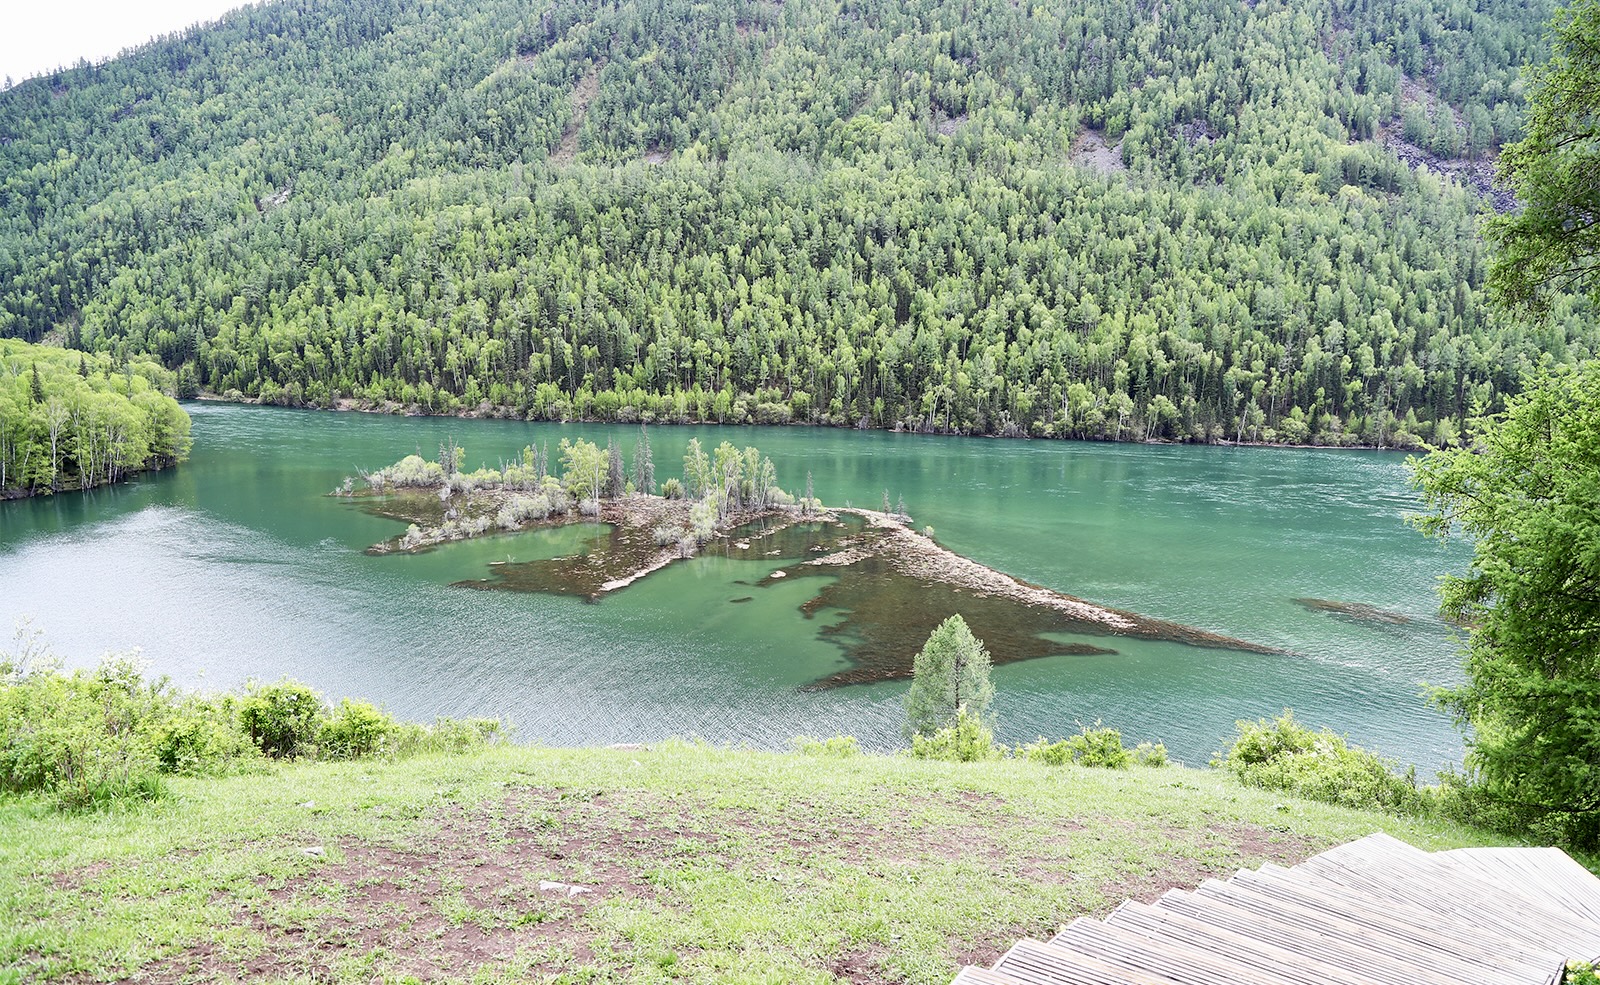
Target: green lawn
{"x":699,"y":865}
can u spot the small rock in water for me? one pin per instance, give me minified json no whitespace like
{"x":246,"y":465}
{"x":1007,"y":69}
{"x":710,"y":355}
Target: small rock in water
{"x":780,"y":574}
{"x":315,"y":851}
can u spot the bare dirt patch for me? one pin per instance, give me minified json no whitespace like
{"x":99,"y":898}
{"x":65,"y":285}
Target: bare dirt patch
{"x":582,"y":95}
{"x":948,"y":125}
{"x":68,"y":880}
{"x":865,"y":966}
{"x":1227,"y":850}
{"x":480,"y":887}
{"x":1091,"y":151}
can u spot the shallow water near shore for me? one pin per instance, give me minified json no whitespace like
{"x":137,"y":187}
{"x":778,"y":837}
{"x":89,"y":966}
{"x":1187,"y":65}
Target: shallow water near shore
{"x":238,"y":565}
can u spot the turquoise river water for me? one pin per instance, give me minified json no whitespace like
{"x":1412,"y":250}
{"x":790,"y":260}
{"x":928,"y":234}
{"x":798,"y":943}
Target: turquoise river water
{"x":238,"y":565}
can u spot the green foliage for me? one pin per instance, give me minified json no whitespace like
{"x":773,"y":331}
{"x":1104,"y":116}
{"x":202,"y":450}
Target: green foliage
{"x":583,"y":467}
{"x":1553,"y":244}
{"x":201,"y":735}
{"x":1093,"y":746}
{"x":1284,"y":755}
{"x":354,"y":730}
{"x":80,"y":737}
{"x":964,"y":740}
{"x":94,"y":739}
{"x":1582,"y":973}
{"x":838,"y":747}
{"x":949,"y":678}
{"x":769,"y":212}
{"x":451,"y":735}
{"x":65,"y":429}
{"x":1149,"y":754}
{"x":1527,"y":497}
{"x":644,"y":466}
{"x":283,"y":719}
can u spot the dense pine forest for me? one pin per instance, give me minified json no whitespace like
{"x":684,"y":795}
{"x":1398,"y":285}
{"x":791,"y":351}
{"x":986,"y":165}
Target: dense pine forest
{"x":1182,"y":219}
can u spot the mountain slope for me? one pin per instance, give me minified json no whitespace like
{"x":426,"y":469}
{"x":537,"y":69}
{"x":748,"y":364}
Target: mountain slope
{"x":847,"y":212}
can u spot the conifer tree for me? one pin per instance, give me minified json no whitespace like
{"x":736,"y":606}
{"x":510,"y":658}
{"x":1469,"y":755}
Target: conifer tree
{"x":644,"y":466}
{"x":616,"y":482}
{"x":950,"y":674}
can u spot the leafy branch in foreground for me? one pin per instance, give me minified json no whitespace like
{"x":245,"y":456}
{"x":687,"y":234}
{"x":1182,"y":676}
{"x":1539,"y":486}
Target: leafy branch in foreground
{"x":1529,"y":497}
{"x":1553,"y":245}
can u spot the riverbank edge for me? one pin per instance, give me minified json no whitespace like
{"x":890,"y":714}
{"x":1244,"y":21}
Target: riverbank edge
{"x":17,"y":494}
{"x":486,"y":412}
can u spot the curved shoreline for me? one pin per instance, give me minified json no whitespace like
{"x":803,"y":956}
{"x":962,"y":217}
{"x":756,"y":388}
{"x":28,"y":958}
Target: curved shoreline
{"x":507,"y":413}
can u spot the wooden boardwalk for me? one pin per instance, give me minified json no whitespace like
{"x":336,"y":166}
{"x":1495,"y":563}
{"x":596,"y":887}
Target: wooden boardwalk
{"x":1373,"y":911}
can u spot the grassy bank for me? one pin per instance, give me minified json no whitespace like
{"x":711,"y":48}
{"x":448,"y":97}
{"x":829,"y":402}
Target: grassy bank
{"x":695,"y":864}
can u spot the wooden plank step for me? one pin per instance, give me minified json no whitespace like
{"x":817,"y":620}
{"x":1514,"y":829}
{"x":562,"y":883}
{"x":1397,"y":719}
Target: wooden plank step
{"x":972,"y":975}
{"x":1046,"y":964}
{"x":1380,"y":952}
{"x":1365,"y":919}
{"x":1358,"y":899}
{"x":1436,"y":886}
{"x":1547,"y":871}
{"x":1375,"y":965}
{"x":1375,"y":911}
{"x":1491,"y":947}
{"x":1299,"y":964}
{"x":1176,"y":960}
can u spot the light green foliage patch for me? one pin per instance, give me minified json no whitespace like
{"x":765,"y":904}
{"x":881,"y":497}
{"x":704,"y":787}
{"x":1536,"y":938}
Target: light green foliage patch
{"x":1283,"y":754}
{"x":74,"y":421}
{"x":111,"y":736}
{"x":839,"y":746}
{"x":964,"y":740}
{"x":1093,"y":746}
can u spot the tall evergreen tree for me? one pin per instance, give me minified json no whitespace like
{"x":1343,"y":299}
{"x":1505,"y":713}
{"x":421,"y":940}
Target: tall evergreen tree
{"x":616,"y":480}
{"x":644,"y":466}
{"x":950,"y":673}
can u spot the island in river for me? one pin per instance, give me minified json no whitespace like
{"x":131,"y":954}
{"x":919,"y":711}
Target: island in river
{"x":891,"y":583}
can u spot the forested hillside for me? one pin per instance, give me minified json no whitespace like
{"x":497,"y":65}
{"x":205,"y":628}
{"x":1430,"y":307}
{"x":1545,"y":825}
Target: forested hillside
{"x":1194,"y":219}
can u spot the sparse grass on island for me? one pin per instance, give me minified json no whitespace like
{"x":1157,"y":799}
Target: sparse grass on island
{"x":669,"y":862}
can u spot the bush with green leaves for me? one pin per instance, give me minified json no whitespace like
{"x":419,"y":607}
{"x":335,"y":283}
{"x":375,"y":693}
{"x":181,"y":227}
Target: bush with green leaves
{"x":838,"y":747}
{"x":90,"y":739}
{"x":283,"y":719}
{"x":965,"y":740}
{"x":201,"y":735}
{"x":1093,"y":746}
{"x":1152,"y":754}
{"x":81,"y":737}
{"x":451,"y":735}
{"x":1582,"y":973}
{"x":1283,"y":754}
{"x":356,"y":729}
